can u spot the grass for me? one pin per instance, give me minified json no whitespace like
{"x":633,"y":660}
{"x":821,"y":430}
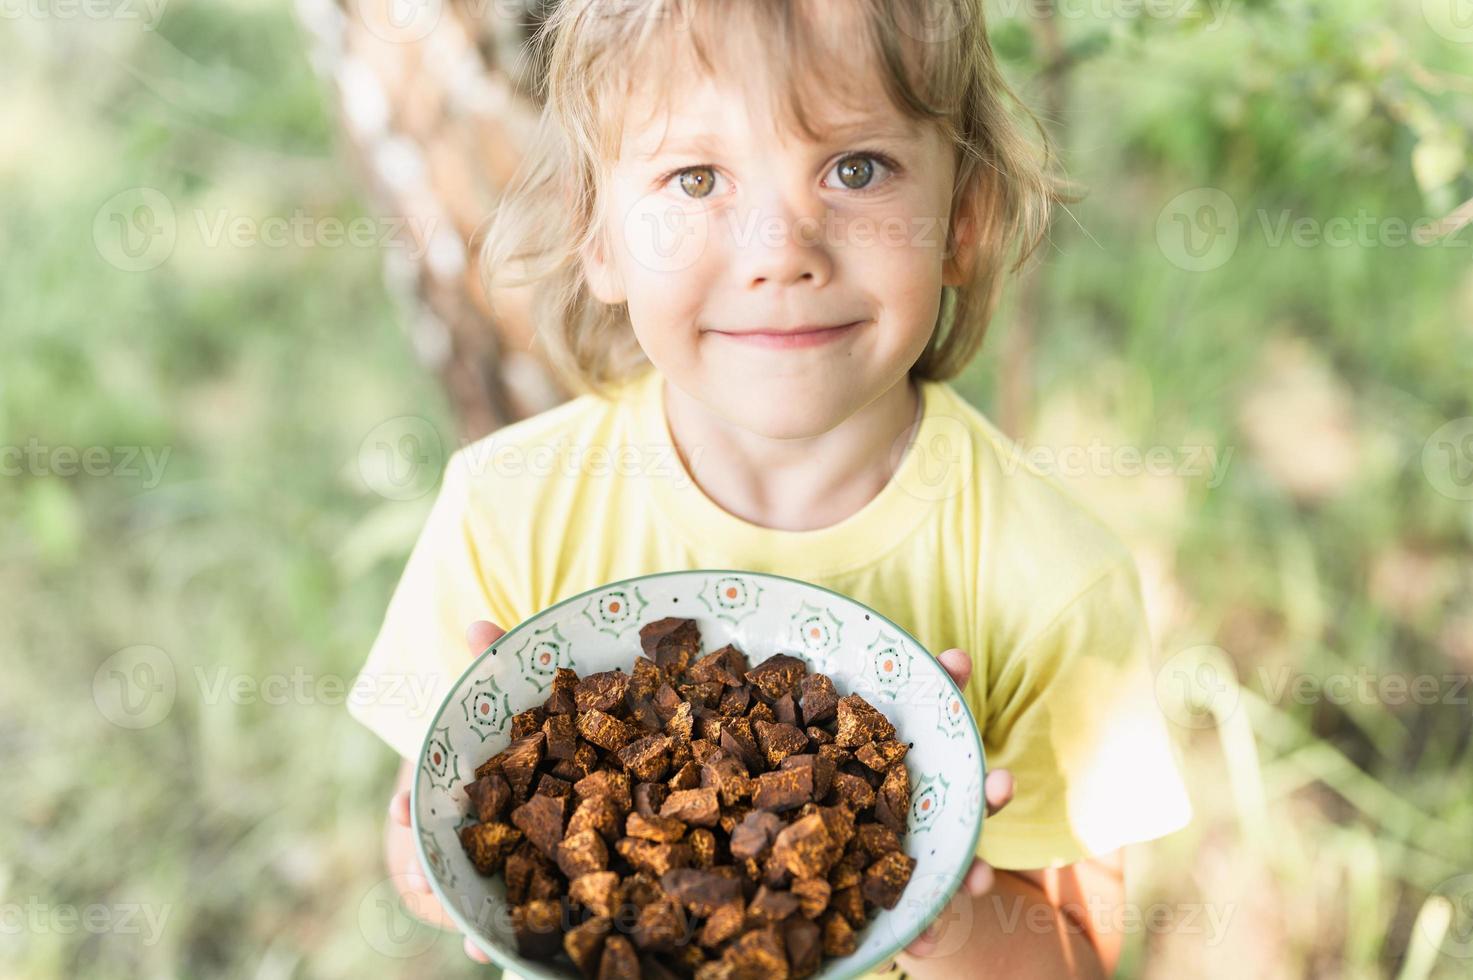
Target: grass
{"x":1331,"y":833}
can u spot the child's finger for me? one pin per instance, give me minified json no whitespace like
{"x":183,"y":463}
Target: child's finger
{"x":979,"y":878}
{"x":958,"y":664}
{"x":471,"y":949}
{"x":924,"y":944}
{"x":414,"y":878}
{"x":481,"y":634}
{"x":999,"y":790}
{"x":399,"y":808}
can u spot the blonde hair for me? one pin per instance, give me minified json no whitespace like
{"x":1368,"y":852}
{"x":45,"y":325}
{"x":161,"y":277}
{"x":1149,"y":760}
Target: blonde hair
{"x":938,"y":66}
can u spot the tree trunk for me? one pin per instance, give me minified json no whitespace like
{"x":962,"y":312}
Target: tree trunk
{"x":436,"y":100}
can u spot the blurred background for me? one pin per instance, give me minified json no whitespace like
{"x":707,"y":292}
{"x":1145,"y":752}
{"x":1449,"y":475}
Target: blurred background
{"x":240,"y":333}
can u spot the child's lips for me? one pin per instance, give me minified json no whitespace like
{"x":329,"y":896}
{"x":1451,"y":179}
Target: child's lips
{"x":791,"y":339}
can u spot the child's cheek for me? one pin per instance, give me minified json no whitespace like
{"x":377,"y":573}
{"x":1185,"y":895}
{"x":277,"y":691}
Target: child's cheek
{"x":661,"y":238}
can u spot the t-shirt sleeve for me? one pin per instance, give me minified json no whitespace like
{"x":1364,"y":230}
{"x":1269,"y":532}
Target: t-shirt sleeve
{"x":1072,"y":712}
{"x":448,"y":583}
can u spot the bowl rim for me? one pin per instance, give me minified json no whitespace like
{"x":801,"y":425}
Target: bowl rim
{"x":534,"y":971}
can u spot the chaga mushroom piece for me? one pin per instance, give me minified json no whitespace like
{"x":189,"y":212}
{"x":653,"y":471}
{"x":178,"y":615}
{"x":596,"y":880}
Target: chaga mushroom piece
{"x":853,"y":791}
{"x":519,"y":762}
{"x":541,"y":819}
{"x":660,"y":926}
{"x":876,"y":839}
{"x":702,"y":892}
{"x":726,"y":774}
{"x":736,"y":739}
{"x":783,"y":789}
{"x":726,"y":921}
{"x":653,"y":857}
{"x":584,"y":944}
{"x":648,"y":797}
{"x":779,"y":674}
{"x":778,"y":741}
{"x":880,"y":756}
{"x":672,"y":643}
{"x":603,"y":691}
{"x":644,"y":680}
{"x":604,"y":730}
{"x":646,"y":759}
{"x":698,"y":807}
{"x":886,"y":879}
{"x":892,"y":801}
{"x":803,"y":940}
{"x":605,"y":782}
{"x":702,"y":847}
{"x":524,"y":723}
{"x":849,"y":903}
{"x":538,"y":926}
{"x":823,"y":771}
{"x":488,"y":844}
{"x":562,"y":736}
{"x":757,"y":954}
{"x":597,"y":892}
{"x":813,"y":896}
{"x":804,"y":847}
{"x":817,"y":698}
{"x":838,"y":935}
{"x":489,"y":795}
{"x":619,"y":961}
{"x":860,"y":722}
{"x":596,"y":813}
{"x":772,"y":905}
{"x":751,"y":838}
{"x":560,"y":701}
{"x":581,"y":854}
{"x":725,"y":667}
{"x":654,"y":827}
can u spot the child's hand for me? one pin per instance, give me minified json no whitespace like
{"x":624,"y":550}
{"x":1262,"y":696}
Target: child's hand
{"x":998,"y":788}
{"x":403,"y":861}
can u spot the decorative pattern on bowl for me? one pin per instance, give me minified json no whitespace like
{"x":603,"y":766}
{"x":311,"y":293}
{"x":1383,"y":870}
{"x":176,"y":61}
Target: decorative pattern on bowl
{"x":863,"y":652}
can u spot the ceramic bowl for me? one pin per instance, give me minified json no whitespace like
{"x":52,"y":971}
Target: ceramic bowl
{"x":862,"y":651}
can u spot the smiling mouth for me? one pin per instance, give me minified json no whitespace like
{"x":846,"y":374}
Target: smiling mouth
{"x":786,"y":339}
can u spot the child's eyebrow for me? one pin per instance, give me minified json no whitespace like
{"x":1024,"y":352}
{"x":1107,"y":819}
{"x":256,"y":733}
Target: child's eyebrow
{"x":873,"y":128}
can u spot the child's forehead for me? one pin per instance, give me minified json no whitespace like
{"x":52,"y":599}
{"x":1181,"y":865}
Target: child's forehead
{"x":661,"y":116}
{"x":820,"y":83}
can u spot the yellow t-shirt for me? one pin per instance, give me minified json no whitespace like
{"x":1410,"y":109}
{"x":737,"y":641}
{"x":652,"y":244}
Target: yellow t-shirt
{"x":964,"y":547}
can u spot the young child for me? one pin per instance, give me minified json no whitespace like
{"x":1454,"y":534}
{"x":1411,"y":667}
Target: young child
{"x":762,"y":236}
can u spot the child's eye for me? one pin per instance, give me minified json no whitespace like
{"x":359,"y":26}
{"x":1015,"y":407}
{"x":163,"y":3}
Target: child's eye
{"x":695,"y":182}
{"x":862,"y":172}
{"x":858,"y":171}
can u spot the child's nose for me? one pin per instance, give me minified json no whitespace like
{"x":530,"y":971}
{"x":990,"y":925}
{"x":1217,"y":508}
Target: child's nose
{"x":784,"y":243}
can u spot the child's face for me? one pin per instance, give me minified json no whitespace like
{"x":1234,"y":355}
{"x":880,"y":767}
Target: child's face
{"x":728,"y":236}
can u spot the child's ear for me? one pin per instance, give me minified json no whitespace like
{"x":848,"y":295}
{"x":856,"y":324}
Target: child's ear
{"x":603,"y":278}
{"x":957,"y":266}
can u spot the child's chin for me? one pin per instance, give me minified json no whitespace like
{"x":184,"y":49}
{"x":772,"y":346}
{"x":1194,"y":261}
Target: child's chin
{"x":776,"y":412}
